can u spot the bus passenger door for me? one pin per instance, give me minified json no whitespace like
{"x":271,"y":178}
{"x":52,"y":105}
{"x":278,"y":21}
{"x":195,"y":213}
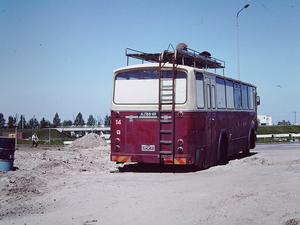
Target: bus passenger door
{"x":211,"y":145}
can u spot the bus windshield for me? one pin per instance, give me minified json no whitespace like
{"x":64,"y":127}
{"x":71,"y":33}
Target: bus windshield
{"x":141,"y":86}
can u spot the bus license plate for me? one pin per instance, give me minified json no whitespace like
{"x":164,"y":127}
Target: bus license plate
{"x":147,"y":114}
{"x":148,"y":148}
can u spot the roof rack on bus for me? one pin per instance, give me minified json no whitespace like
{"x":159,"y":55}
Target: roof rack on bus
{"x":182,"y":56}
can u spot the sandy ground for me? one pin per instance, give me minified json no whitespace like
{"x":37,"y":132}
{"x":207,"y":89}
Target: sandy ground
{"x":79,"y":185}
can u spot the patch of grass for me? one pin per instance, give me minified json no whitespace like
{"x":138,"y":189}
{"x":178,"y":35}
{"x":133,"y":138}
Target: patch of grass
{"x":56,"y":137}
{"x":44,"y":141}
{"x":278,"y":129}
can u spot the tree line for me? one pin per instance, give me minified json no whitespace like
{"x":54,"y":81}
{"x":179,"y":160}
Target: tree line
{"x":21,"y":122}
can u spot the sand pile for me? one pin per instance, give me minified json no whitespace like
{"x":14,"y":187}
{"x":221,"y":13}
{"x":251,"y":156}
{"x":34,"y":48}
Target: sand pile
{"x":89,"y":141}
{"x":38,"y":171}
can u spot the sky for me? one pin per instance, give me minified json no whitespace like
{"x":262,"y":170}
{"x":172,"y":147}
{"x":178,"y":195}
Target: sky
{"x":58,"y":56}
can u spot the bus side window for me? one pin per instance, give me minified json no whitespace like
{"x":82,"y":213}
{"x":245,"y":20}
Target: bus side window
{"x":213,"y":96}
{"x":208,"y":96}
{"x":229,"y":95}
{"x":244,"y":97}
{"x":199,"y":90}
{"x":237,"y":96}
{"x":221,"y":97}
{"x":251,"y":97}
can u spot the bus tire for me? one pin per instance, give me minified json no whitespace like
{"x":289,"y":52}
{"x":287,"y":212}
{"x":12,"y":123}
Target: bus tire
{"x":251,"y":143}
{"x":223,"y":151}
{"x":252,"y":140}
{"x":246,"y":152}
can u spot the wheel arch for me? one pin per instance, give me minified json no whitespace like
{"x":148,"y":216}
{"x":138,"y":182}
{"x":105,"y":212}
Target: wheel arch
{"x":223,"y":146}
{"x":252,"y":138}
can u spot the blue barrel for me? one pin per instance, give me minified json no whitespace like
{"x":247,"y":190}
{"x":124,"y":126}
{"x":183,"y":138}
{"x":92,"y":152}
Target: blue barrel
{"x":7,"y":153}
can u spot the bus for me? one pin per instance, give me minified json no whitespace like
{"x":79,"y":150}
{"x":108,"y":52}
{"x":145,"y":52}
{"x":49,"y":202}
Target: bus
{"x":174,"y":108}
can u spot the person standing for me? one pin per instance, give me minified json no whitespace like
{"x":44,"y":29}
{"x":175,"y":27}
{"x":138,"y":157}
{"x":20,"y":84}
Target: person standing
{"x":34,"y":140}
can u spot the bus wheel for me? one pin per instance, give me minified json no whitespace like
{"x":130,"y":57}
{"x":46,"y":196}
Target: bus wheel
{"x":251,"y":144}
{"x":246,"y":152}
{"x":252,"y":140}
{"x":223,"y":155}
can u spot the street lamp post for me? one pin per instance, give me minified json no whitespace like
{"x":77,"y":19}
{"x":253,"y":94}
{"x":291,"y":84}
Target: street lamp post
{"x":49,"y":135}
{"x":238,"y":44}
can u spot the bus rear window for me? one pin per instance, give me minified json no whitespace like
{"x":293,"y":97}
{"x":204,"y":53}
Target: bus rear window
{"x":141,"y":86}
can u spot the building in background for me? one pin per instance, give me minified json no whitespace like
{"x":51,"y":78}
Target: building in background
{"x":13,"y":135}
{"x":284,"y":123}
{"x":265,"y":120}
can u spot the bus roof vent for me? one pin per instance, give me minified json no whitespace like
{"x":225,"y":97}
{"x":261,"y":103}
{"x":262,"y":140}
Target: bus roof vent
{"x":182,"y":55}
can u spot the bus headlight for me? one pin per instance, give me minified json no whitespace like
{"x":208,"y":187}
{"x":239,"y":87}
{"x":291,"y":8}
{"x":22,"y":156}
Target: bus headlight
{"x":117,"y":141}
{"x":180,"y":142}
{"x":117,"y":148}
{"x":180,"y":114}
{"x":180,"y":150}
{"x":117,"y":114}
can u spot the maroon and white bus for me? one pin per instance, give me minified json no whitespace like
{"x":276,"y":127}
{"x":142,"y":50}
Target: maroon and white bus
{"x":174,"y":110}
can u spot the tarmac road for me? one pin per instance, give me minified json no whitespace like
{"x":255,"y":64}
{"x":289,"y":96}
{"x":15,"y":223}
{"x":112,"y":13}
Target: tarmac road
{"x":276,"y":146}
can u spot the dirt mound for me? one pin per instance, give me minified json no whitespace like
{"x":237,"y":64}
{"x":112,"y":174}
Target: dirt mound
{"x":292,"y":222}
{"x":38,"y":171}
{"x":20,"y":188}
{"x":88,"y":141}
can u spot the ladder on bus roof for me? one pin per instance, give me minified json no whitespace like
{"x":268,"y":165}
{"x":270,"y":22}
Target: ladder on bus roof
{"x":166,"y":119}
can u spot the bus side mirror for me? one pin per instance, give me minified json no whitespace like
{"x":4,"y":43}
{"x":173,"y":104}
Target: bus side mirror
{"x":257,"y":100}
